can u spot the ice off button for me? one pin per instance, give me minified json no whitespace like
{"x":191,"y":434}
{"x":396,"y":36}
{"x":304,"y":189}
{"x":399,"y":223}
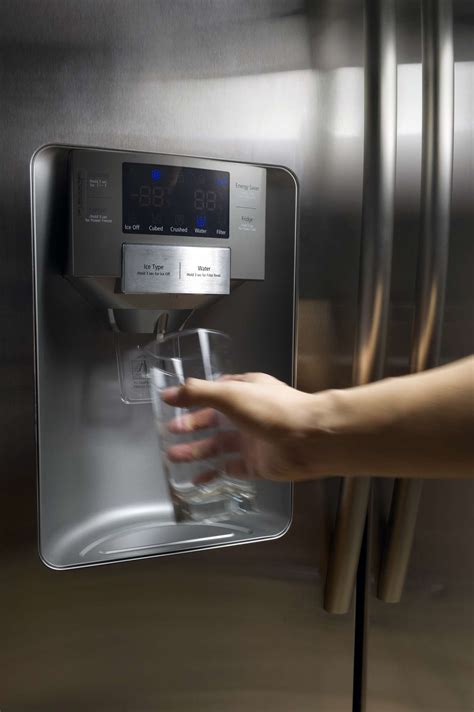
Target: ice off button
{"x":247,"y":223}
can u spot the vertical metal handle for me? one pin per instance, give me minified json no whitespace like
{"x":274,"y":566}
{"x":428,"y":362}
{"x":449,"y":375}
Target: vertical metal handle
{"x":380,"y":133}
{"x":436,"y":184}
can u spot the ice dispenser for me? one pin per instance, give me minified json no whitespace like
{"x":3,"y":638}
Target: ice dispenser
{"x":133,"y":251}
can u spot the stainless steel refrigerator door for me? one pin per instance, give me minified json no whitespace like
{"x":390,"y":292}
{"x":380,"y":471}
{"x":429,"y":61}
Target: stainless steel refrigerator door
{"x":260,"y":82}
{"x":420,"y":653}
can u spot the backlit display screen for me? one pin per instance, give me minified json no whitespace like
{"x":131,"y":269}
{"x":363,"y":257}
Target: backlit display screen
{"x":172,"y":200}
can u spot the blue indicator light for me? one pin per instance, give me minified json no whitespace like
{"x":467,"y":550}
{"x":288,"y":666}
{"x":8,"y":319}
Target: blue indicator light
{"x":222,"y":181}
{"x":155,"y":174}
{"x":201,"y":221}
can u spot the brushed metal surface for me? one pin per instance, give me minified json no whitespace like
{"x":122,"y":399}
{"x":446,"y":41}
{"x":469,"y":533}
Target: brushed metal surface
{"x":436,"y":188}
{"x":278,"y":81}
{"x":380,"y":137}
{"x":173,"y":269}
{"x":420,"y":650}
{"x":234,"y":629}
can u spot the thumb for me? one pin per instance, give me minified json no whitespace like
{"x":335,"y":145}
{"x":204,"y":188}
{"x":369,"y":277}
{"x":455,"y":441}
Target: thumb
{"x":195,"y":392}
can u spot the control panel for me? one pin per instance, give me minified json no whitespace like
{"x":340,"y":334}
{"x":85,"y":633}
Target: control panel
{"x":130,"y":212}
{"x":173,"y":200}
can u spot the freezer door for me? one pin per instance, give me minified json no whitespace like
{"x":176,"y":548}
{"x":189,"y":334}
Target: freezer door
{"x":420,"y":653}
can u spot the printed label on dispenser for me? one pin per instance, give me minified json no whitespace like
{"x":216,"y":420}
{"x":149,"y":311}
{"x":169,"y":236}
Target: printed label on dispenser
{"x":175,"y":269}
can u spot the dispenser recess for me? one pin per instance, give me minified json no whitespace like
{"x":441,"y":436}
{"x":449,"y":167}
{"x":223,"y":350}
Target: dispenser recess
{"x":102,"y":492}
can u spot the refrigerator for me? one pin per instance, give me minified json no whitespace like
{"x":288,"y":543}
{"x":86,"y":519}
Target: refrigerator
{"x":366,"y":603}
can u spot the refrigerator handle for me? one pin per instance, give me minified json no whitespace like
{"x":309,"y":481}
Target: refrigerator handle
{"x":380,"y":134}
{"x":436,"y":184}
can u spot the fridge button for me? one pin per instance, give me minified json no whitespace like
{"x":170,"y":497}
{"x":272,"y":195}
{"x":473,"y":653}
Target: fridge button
{"x":247,"y":223}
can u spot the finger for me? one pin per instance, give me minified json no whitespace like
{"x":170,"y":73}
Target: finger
{"x":235,"y":468}
{"x":169,"y":395}
{"x":200,"y":392}
{"x":238,"y":401}
{"x":197,"y":450}
{"x":194,"y":392}
{"x":186,"y":423}
{"x":204,"y":477}
{"x":232,"y":377}
{"x":197,"y":392}
{"x":220,"y":443}
{"x":249,"y":377}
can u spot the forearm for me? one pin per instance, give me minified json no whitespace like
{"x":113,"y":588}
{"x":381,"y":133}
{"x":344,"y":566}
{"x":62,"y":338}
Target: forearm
{"x":420,"y":425}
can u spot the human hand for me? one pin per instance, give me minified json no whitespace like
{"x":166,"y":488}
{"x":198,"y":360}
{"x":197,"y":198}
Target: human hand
{"x":276,"y":435}
{"x":418,"y":425}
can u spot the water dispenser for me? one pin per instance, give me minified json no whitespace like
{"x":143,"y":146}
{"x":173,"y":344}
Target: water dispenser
{"x":128,"y":249}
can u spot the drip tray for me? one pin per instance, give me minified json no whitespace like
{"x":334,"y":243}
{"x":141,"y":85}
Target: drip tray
{"x":155,"y":537}
{"x":130,"y":534}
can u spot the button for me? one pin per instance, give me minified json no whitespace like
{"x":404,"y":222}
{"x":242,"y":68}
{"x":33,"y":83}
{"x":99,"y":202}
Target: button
{"x":247,"y":222}
{"x":99,"y":185}
{"x":99,"y":211}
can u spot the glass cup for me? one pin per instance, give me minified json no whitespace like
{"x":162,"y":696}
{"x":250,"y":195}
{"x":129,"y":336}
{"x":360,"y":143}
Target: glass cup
{"x":201,"y":483}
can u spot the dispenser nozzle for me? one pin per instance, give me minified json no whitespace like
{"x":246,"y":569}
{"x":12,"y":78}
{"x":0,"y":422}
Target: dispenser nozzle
{"x":161,"y":326}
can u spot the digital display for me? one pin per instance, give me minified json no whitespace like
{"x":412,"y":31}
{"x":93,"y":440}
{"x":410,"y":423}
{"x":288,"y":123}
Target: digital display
{"x":172,"y":200}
